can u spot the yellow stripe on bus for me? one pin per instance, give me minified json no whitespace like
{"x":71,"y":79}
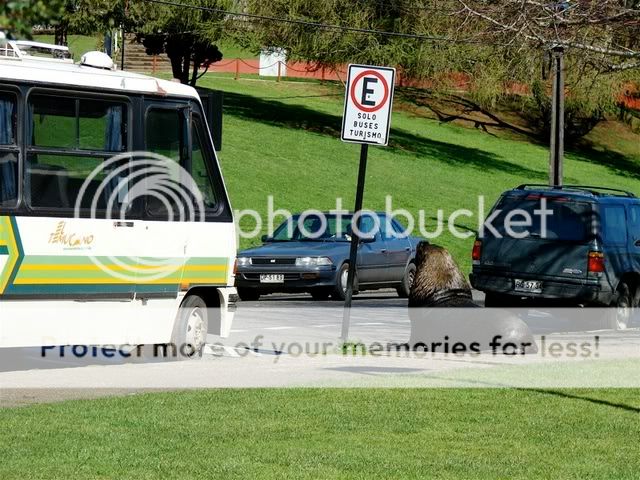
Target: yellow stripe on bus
{"x":36,"y":267}
{"x":98,"y":281}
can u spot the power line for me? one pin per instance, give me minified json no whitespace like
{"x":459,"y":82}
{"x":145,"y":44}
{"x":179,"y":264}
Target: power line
{"x":324,"y":26}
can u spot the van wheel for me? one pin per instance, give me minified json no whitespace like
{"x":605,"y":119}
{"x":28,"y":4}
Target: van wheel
{"x":409,"y":276}
{"x":248,"y":294}
{"x":622,"y":306}
{"x":191,"y":327}
{"x":340,"y":290}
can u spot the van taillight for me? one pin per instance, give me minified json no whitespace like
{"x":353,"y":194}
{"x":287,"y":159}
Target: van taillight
{"x":477,"y":251}
{"x":596,"y":262}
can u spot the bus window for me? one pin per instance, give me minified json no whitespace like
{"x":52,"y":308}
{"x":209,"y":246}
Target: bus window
{"x":68,"y":139}
{"x":166,"y":133}
{"x":8,"y":151}
{"x":199,"y":160}
{"x":82,"y":124}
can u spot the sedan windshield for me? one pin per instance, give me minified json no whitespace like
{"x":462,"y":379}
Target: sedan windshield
{"x":314,"y":228}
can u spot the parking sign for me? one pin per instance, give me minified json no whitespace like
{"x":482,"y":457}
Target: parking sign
{"x":367,"y":104}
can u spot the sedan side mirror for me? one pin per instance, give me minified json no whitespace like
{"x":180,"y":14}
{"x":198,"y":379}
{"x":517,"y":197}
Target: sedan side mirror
{"x":265,"y":238}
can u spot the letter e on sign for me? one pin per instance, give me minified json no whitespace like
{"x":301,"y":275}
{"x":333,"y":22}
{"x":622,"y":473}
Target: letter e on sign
{"x":367,"y":104}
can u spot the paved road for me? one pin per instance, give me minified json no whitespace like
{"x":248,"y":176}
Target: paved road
{"x":281,"y":341}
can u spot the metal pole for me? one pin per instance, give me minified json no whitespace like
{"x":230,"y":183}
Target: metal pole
{"x":353,"y":253}
{"x":556,"y":155}
{"x":122,"y":50}
{"x":124,"y":20}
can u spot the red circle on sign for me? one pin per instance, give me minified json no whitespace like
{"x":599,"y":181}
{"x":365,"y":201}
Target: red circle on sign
{"x":385,"y":97}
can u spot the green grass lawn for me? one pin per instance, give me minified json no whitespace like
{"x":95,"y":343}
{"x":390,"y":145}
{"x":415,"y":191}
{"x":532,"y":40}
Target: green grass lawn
{"x":282,"y":139}
{"x":328,"y":434}
{"x":78,"y":44}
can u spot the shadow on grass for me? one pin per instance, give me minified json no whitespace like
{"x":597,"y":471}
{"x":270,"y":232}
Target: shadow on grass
{"x":551,"y":392}
{"x":298,"y":117}
{"x":617,"y":163}
{"x":570,"y":396}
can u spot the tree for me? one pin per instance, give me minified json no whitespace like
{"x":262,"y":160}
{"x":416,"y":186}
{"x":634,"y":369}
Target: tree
{"x":187,"y":52}
{"x":188,"y":36}
{"x":496,"y":45}
{"x":18,"y":17}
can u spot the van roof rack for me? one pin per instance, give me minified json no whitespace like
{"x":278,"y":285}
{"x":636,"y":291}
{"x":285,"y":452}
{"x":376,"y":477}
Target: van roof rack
{"x":26,"y":49}
{"x":597,"y":191}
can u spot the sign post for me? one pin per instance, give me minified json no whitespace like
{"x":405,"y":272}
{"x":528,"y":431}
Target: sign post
{"x":556,"y":156}
{"x":366,"y":120}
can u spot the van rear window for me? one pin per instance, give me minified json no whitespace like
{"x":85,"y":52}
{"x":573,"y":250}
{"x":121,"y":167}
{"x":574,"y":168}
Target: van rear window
{"x":567,"y":221}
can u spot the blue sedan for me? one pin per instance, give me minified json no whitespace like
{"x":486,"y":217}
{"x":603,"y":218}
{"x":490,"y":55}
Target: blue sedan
{"x":310,"y":253}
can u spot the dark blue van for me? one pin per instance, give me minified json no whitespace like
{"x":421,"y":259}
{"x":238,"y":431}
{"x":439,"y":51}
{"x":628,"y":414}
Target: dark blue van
{"x":584,"y":251}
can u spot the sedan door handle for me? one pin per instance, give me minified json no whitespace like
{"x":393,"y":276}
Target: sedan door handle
{"x":637,"y":244}
{"x":384,"y":250}
{"x":408,"y":249}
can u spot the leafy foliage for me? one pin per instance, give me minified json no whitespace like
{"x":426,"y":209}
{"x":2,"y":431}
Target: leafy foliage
{"x":495,"y":46}
{"x":18,"y":17}
{"x":187,"y":36}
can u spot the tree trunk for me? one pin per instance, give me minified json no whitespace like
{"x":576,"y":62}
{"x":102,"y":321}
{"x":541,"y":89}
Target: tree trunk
{"x":194,"y":75}
{"x":185,"y":67}
{"x":60,"y":35}
{"x":176,"y":66}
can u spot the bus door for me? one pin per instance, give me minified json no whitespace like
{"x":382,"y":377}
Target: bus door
{"x":168,"y":204}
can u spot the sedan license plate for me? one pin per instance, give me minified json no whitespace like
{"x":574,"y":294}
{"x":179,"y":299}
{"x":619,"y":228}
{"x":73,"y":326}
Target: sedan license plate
{"x":272,"y":278}
{"x":529,"y":286}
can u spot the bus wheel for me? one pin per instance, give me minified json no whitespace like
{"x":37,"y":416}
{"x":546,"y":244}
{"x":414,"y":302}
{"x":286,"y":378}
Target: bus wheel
{"x":191,"y":327}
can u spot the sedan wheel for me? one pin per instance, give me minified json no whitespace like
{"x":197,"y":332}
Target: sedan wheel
{"x":319,"y":294}
{"x":340,"y":290}
{"x":248,"y":294}
{"x":409,"y":276}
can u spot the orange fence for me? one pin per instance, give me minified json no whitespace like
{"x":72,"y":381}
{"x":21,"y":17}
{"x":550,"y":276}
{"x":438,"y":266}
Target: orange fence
{"x":460,"y":81}
{"x":239,"y":67}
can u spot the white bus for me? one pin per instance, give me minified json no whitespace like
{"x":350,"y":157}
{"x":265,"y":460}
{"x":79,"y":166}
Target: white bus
{"x":115,"y":224}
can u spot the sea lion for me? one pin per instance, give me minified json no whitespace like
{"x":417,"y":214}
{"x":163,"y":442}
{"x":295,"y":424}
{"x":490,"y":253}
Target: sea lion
{"x":443,"y":313}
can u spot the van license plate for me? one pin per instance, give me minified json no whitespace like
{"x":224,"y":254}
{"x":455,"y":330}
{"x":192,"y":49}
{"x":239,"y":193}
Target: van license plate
{"x":272,"y":278}
{"x":530,"y":286}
